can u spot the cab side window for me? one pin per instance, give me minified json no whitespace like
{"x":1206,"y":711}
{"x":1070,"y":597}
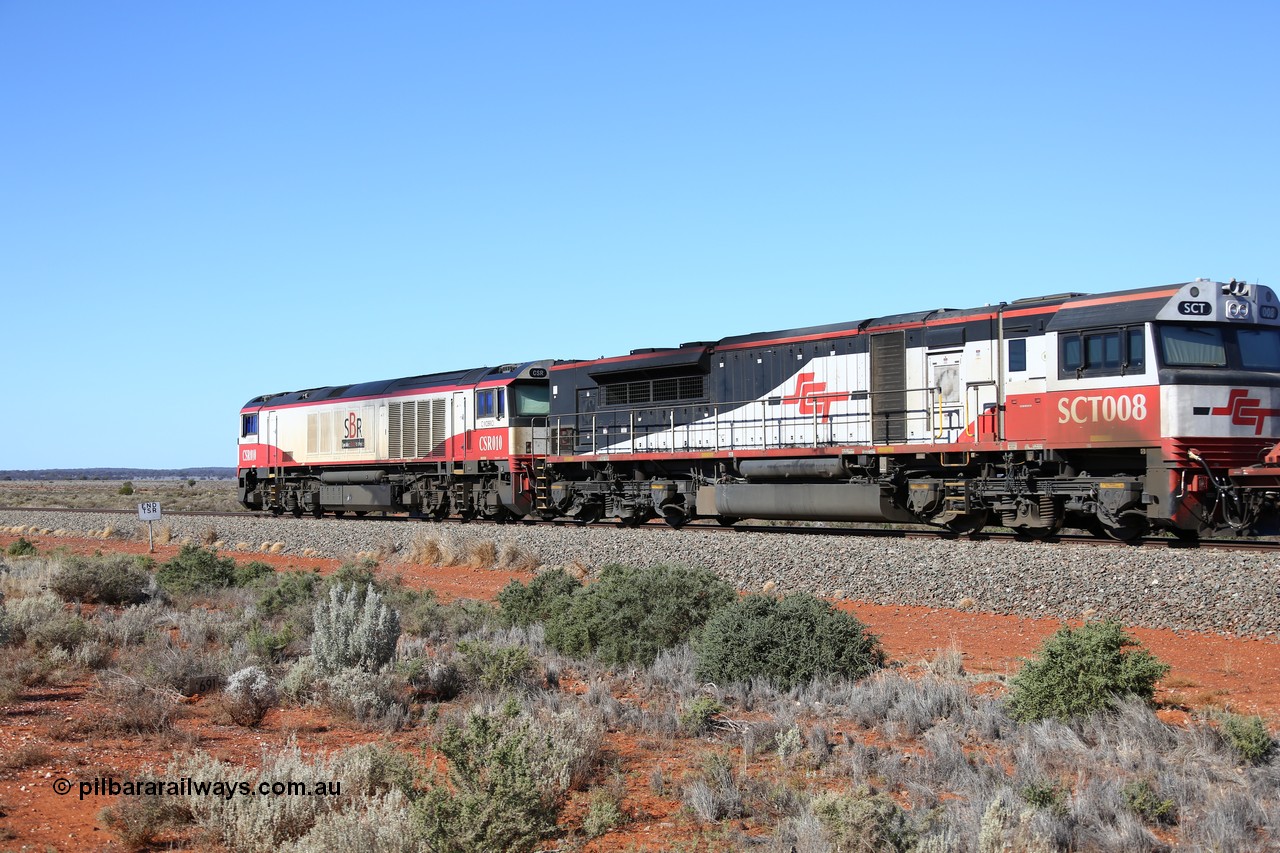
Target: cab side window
{"x":1102,"y":352}
{"x":484,"y":404}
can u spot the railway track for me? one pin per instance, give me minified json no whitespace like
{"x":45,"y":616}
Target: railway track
{"x":995,"y":536}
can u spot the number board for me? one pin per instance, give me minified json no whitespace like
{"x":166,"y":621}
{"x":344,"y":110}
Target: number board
{"x":149,"y":511}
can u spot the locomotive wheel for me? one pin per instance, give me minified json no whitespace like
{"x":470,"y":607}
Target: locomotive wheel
{"x":1126,"y":532}
{"x":1183,"y":535}
{"x":727,"y":520}
{"x":297,"y":512}
{"x":277,"y":511}
{"x":339,"y":513}
{"x":967,"y":525}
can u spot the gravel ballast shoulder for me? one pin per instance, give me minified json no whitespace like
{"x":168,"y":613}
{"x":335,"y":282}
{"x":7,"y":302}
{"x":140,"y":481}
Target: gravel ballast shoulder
{"x":1186,"y":589}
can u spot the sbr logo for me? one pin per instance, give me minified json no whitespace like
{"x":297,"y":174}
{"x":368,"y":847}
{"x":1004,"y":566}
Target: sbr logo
{"x":353,"y":426}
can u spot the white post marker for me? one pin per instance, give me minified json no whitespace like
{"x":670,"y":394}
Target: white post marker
{"x":149,"y":511}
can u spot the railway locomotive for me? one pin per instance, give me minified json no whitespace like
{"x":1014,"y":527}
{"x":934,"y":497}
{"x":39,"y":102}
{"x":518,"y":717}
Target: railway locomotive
{"x":1119,"y":413}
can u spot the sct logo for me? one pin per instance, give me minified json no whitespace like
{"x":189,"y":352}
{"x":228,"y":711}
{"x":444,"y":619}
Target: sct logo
{"x":1195,"y":309}
{"x":809,"y":397}
{"x":1245,"y":411}
{"x":489,"y":443}
{"x":1104,"y":407}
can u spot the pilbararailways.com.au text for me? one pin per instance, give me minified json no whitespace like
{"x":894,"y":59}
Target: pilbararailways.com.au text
{"x":106,"y":786}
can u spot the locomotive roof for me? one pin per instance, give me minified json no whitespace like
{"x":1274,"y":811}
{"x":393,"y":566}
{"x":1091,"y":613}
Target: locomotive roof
{"x":386,"y":387}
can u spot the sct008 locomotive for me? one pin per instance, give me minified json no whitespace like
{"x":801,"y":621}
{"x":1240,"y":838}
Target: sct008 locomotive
{"x":1120,"y":413}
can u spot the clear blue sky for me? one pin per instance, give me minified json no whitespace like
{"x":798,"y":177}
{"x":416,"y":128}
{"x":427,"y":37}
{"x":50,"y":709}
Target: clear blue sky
{"x":200,"y":203}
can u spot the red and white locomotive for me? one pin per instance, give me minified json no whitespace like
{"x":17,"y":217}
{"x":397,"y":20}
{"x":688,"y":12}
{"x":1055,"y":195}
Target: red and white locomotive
{"x":1119,"y":413}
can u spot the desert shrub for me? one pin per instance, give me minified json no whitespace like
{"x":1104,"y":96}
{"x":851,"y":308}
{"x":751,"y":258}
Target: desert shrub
{"x":283,"y":590}
{"x":787,"y":642}
{"x":22,"y":547}
{"x":358,"y":573}
{"x":299,"y":682}
{"x":139,"y":820}
{"x":196,"y":569}
{"x":699,"y":716}
{"x":545,"y":597}
{"x":508,"y":773}
{"x":603,"y":814}
{"x":1247,"y":735}
{"x":248,"y":696}
{"x":385,"y":825}
{"x":716,"y":795}
{"x":62,"y":630}
{"x":496,"y":667}
{"x":1079,"y":671}
{"x":1140,"y":797}
{"x":865,"y":820}
{"x":132,"y":705}
{"x":439,"y":679}
{"x":353,"y":628}
{"x":252,"y":573}
{"x":374,"y":699}
{"x":630,"y":614}
{"x":105,"y":580}
{"x":267,"y":645}
{"x":253,"y":823}
{"x":1045,"y":795}
{"x":126,"y":489}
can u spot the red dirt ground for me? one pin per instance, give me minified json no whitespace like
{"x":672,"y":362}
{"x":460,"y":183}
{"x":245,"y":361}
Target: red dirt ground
{"x":1207,"y":670}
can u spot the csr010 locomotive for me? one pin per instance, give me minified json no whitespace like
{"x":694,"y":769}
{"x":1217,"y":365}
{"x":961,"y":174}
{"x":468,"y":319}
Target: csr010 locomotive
{"x":1119,"y":413}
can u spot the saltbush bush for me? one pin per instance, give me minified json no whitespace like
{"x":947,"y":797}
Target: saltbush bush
{"x":112,"y":579}
{"x":354,"y":628}
{"x":630,"y":614}
{"x":545,"y":597}
{"x":787,"y":641}
{"x":1079,"y":671}
{"x":248,"y":696}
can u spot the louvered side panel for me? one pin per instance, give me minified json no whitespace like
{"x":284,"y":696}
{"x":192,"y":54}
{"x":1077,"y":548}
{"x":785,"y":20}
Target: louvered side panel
{"x":423,"y":411}
{"x":313,"y":434}
{"x":439,"y":426}
{"x":394,"y":446}
{"x":326,"y":431}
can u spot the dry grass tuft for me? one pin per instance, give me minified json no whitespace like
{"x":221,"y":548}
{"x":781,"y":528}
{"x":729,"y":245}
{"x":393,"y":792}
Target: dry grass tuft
{"x":424,"y":551}
{"x":243,"y":546}
{"x":966,"y":603}
{"x":164,"y":535}
{"x":482,"y":554}
{"x":769,"y":588}
{"x":209,"y":535}
{"x":276,"y":547}
{"x":512,"y":556}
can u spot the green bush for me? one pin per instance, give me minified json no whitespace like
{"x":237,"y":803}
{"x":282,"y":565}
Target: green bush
{"x":1140,"y":797}
{"x":1080,"y":671}
{"x":865,"y":820}
{"x":252,"y":573}
{"x":284,"y":590}
{"x":788,"y":641}
{"x":546,"y":596}
{"x":126,"y":489}
{"x":700,"y":715}
{"x":496,"y":667}
{"x":504,"y":794}
{"x":1248,"y":736}
{"x":21,"y":548}
{"x":631,"y":614}
{"x":101,"y":580}
{"x":196,"y":569}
